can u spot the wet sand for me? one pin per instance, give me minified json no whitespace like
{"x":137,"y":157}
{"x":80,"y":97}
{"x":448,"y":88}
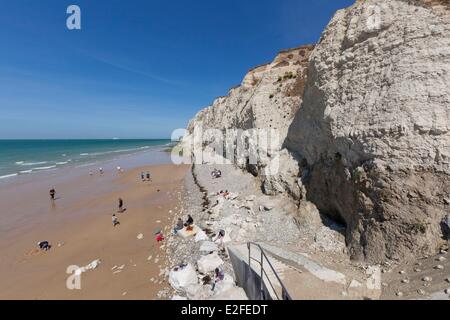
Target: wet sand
{"x":80,"y":230}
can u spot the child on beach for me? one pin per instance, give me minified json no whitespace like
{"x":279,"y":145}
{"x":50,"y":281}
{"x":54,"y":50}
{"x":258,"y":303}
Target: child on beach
{"x":115,"y":221}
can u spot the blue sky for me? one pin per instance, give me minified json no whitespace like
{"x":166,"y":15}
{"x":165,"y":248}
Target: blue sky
{"x":138,"y":68}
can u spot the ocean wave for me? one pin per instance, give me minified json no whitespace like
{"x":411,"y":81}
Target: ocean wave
{"x":113,"y":151}
{"x":44,"y":168}
{"x":31,"y":163}
{"x":25,"y":171}
{"x":8,"y":176}
{"x":20,"y":162}
{"x":61,"y":163}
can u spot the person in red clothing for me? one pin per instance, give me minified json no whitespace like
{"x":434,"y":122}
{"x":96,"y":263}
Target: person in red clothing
{"x":159,"y":237}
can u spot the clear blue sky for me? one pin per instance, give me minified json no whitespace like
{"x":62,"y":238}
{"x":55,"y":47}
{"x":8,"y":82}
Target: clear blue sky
{"x":138,"y":68}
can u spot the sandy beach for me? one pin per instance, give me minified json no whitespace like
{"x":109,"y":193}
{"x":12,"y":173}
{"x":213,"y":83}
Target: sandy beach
{"x":80,"y":230}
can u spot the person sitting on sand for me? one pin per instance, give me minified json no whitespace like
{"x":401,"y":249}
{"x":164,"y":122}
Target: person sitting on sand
{"x":120,"y":205}
{"x":219,"y":275}
{"x":44,"y":245}
{"x":179,"y":226}
{"x":159,"y":237}
{"x":115,"y":221}
{"x":52,"y":193}
{"x":189,"y":221}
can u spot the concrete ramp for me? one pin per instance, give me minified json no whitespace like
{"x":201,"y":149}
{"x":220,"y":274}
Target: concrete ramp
{"x":302,"y":278}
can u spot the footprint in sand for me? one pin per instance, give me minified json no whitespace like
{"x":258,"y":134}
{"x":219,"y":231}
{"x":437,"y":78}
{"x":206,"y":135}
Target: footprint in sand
{"x":31,"y":253}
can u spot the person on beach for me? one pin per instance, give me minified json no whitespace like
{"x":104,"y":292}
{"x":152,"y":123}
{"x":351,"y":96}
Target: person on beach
{"x":115,"y":221}
{"x":219,"y":275}
{"x":148,"y":176}
{"x":179,"y":226}
{"x":159,"y":237}
{"x":52,"y":193}
{"x":44,"y":245}
{"x":142,"y":176}
{"x":120,"y":205}
{"x":219,"y":238}
{"x":101,"y":170}
{"x":189,"y":221}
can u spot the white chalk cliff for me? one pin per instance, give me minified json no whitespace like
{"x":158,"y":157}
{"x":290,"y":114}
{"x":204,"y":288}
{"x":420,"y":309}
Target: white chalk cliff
{"x":364,"y":120}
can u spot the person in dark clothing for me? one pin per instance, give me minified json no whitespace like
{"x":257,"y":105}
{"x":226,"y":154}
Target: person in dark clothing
{"x":44,"y":245}
{"x":120,"y":205}
{"x":142,"y":176}
{"x":52,"y":193}
{"x":189,"y":221}
{"x":148,"y":176}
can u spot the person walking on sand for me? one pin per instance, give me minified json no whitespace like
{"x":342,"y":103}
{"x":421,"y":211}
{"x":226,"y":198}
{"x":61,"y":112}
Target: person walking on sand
{"x":148,"y":176}
{"x":52,"y":193}
{"x":120,"y":205}
{"x":142,"y":176}
{"x":115,"y":221}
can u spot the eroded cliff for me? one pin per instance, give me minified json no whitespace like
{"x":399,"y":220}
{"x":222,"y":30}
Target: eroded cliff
{"x":364,"y":122}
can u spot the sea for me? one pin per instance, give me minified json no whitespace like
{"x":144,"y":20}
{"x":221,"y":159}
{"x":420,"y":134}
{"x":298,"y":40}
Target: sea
{"x":24,"y":157}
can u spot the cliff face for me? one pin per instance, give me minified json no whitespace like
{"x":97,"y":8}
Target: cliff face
{"x":365,"y":124}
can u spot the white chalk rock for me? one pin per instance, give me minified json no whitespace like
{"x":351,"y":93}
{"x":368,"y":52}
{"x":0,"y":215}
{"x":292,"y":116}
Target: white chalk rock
{"x":199,"y":292}
{"x":140,"y":236}
{"x":234,"y":293}
{"x":176,"y":297}
{"x":201,"y":236}
{"x":208,"y":246}
{"x":209,"y":263}
{"x":182,"y":278}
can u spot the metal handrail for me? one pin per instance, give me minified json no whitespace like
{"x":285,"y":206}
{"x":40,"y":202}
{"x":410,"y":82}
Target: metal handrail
{"x":284,"y":293}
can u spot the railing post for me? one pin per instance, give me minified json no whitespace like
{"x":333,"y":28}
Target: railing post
{"x":262,"y":279}
{"x":249,"y":255}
